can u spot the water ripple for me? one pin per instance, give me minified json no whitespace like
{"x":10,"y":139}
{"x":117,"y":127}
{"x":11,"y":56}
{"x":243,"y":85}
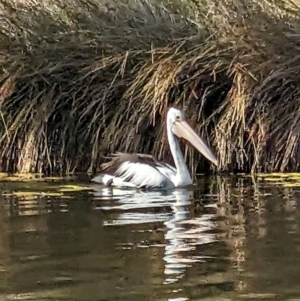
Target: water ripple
{"x":182,"y":232}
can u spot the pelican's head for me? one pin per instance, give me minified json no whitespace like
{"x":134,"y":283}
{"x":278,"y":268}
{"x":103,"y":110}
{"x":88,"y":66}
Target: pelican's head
{"x":174,"y":115}
{"x":180,"y":128}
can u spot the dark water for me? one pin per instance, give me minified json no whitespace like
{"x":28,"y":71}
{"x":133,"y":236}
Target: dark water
{"x":226,"y":240}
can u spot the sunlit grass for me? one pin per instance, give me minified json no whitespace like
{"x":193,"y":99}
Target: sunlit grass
{"x":80,"y":79}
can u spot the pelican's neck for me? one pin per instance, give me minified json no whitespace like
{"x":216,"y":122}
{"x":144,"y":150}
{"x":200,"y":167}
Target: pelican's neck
{"x":182,"y":176}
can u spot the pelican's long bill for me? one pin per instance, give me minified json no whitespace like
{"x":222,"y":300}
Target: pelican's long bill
{"x":182,"y":130}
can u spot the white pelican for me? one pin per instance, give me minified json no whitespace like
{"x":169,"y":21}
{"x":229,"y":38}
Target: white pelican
{"x":144,"y":171}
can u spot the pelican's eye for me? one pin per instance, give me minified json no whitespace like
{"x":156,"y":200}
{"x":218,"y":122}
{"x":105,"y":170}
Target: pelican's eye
{"x":178,"y":118}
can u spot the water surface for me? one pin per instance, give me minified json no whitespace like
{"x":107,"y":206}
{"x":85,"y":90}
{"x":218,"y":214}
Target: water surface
{"x":225,"y":240}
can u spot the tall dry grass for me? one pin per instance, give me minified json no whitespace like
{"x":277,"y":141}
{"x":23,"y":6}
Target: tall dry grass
{"x":80,"y":79}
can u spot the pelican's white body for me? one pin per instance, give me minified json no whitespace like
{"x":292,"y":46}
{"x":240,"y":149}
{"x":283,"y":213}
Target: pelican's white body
{"x":143,"y":175}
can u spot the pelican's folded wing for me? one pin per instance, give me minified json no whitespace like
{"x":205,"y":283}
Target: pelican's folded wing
{"x":136,"y":170}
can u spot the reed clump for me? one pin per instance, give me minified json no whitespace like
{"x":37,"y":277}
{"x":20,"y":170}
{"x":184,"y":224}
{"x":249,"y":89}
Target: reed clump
{"x":80,"y":79}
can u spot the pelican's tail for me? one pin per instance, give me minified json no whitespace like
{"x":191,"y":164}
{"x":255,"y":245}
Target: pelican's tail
{"x":103,"y":179}
{"x":109,"y":180}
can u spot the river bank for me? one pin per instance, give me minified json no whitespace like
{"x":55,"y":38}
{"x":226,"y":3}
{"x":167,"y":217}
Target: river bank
{"x":75,"y":76}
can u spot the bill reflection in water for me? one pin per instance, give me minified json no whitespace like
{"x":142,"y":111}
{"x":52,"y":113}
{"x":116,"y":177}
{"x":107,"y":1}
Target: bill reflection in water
{"x":182,"y":232}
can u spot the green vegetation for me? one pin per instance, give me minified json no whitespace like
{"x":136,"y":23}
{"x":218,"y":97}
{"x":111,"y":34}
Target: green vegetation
{"x":34,"y":190}
{"x":80,"y":79}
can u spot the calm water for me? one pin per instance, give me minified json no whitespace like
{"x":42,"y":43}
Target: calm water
{"x":226,"y":240}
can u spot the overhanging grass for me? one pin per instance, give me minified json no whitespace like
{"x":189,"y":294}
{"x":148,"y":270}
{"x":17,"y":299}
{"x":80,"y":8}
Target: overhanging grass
{"x":80,"y":79}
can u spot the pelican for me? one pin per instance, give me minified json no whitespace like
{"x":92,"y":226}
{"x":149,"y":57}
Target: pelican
{"x":146,"y":172}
